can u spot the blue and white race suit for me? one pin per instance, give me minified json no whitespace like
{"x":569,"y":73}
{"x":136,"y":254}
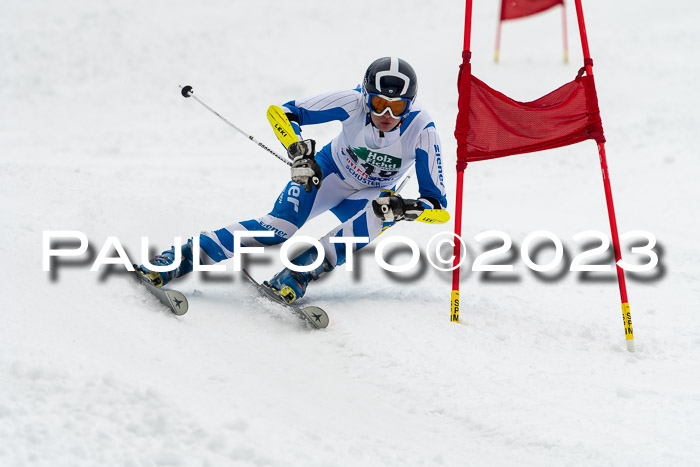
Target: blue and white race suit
{"x":357,"y":164}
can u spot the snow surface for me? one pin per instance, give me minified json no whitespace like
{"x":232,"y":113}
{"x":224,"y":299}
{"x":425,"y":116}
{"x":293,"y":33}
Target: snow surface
{"x":95,"y":137}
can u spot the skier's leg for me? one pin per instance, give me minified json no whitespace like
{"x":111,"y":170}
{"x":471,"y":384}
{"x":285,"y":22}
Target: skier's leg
{"x":291,"y":210}
{"x":292,"y":284}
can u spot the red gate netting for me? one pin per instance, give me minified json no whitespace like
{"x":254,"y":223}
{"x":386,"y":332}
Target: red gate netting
{"x":499,"y":126}
{"x":512,"y":9}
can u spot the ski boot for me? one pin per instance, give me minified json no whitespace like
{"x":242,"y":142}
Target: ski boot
{"x":159,"y":279}
{"x":291,"y":285}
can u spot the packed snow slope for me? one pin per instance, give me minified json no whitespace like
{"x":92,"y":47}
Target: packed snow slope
{"x":95,"y":137}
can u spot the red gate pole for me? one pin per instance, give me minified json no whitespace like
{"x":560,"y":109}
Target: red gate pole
{"x":626,"y":314}
{"x":461,"y":128}
{"x":454,"y":299}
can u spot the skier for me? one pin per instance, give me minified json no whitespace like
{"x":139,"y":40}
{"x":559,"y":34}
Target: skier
{"x":385,"y":132}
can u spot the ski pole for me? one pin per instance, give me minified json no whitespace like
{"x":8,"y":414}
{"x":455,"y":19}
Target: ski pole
{"x":403,"y":184}
{"x":187,"y":91}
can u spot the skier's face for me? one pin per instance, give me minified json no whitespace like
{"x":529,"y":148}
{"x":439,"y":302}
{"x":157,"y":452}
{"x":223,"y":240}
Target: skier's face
{"x":384,"y":122}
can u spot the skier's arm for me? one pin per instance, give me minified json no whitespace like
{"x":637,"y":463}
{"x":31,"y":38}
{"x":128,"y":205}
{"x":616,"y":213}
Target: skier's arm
{"x":324,"y":108}
{"x":429,"y":169}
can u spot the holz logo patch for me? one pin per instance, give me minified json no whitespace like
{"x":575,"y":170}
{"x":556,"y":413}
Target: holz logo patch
{"x":377,"y":159}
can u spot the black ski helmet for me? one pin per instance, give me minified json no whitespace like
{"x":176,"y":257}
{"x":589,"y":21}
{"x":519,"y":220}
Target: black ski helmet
{"x":390,"y":77}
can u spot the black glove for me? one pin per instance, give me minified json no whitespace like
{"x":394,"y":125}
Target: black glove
{"x":305,"y":170}
{"x":394,"y":208}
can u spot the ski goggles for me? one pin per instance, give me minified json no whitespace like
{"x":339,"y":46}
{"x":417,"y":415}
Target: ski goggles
{"x":396,"y":106}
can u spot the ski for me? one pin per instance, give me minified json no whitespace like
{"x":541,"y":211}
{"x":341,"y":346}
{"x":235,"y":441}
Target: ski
{"x":313,"y":315}
{"x":173,"y":299}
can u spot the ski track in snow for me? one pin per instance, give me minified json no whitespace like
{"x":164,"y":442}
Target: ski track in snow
{"x":94,"y":137}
